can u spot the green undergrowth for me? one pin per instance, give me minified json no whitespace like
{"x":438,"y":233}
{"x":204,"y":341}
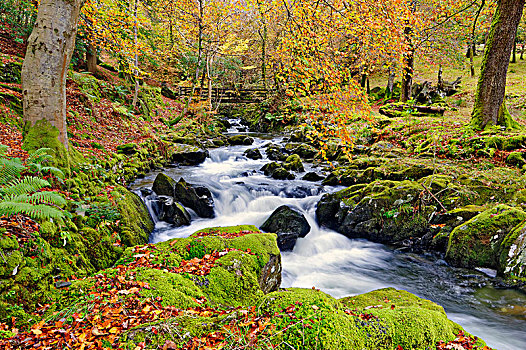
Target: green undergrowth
{"x":226,"y":302}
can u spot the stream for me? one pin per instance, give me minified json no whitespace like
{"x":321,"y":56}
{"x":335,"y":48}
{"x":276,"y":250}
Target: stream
{"x":335,"y":264}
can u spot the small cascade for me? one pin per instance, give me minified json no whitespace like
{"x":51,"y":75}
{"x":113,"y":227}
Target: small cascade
{"x":327,"y":260}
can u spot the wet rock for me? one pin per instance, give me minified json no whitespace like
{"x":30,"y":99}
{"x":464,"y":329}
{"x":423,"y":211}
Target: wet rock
{"x":306,"y":151}
{"x":282,"y":174}
{"x":163,"y":185}
{"x":128,"y":149}
{"x":293,"y":163}
{"x":253,"y":154}
{"x":62,"y":284}
{"x":312,"y":176}
{"x":269,"y":168}
{"x":493,"y":239}
{"x":172,"y":212}
{"x":197,"y":198}
{"x":270,"y":277}
{"x":274,"y":152}
{"x":189,"y":155}
{"x":240,"y":140}
{"x":383,"y":211}
{"x":288,"y":224}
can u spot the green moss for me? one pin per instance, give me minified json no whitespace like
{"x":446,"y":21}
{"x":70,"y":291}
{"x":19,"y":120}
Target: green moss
{"x":516,"y":159}
{"x":478,"y":241}
{"x":136,"y":221}
{"x":293,"y":163}
{"x":174,"y":289}
{"x":235,"y":281}
{"x":44,"y":135}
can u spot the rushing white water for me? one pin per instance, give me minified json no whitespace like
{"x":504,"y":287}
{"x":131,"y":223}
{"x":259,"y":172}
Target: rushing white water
{"x":337,"y":265}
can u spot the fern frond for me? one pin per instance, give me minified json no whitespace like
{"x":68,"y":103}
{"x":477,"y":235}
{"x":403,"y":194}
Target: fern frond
{"x":39,"y":156}
{"x":3,"y":150}
{"x":22,"y":186}
{"x":46,"y":197}
{"x":52,"y":170}
{"x":39,"y":212}
{"x":10,"y":169}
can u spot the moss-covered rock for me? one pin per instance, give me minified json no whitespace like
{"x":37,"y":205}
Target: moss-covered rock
{"x":383,"y":211}
{"x":137,"y":224}
{"x":293,"y":163}
{"x":478,"y":243}
{"x":516,"y":159}
{"x":188,"y":155}
{"x":163,"y":185}
{"x":240,"y":140}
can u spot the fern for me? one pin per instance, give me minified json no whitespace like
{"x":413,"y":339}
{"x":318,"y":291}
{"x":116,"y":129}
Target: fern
{"x":23,"y":195}
{"x":23,"y":186}
{"x":40,"y":156}
{"x":39,"y":211}
{"x":10,"y":169}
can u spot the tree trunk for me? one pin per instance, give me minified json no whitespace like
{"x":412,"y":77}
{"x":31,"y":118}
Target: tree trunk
{"x":514,"y":57}
{"x":390,"y":83}
{"x":44,"y":72}
{"x":136,"y":58}
{"x":490,"y":106}
{"x":407,"y":78}
{"x":91,"y":59}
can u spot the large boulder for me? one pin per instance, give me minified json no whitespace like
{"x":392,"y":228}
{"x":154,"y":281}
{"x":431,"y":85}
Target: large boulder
{"x":197,"y":198}
{"x":163,"y":185}
{"x":275,"y":152}
{"x":276,"y":171}
{"x":293,"y":163}
{"x":312,"y":176}
{"x":288,"y":224}
{"x":513,"y":253}
{"x":189,"y":155}
{"x":306,"y":151}
{"x":383,"y":211}
{"x":172,"y":212}
{"x":492,"y":239}
{"x":253,"y":154}
{"x":243,"y":140}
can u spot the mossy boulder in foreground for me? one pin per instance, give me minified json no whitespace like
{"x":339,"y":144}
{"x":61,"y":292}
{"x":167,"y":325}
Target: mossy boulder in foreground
{"x":219,"y":288}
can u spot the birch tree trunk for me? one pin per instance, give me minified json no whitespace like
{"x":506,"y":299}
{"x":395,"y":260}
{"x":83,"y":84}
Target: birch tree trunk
{"x":44,"y":72}
{"x":490,"y":108}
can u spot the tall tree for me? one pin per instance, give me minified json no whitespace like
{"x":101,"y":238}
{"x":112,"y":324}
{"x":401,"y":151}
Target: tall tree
{"x":44,"y":72}
{"x":490,"y":108}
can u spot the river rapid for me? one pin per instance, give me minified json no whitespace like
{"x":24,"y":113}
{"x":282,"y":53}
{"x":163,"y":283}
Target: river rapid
{"x":335,"y":264}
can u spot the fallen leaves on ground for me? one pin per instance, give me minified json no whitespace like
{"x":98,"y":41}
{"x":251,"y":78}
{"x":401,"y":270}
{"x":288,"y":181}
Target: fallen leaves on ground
{"x":461,"y":342}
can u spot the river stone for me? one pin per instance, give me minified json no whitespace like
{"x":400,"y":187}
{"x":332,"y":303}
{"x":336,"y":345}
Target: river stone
{"x":274,"y":152}
{"x":513,"y":255}
{"x":312,"y":176}
{"x":269,"y":168}
{"x":306,"y":151}
{"x":197,"y":198}
{"x":487,"y":240}
{"x":240,"y":140}
{"x":293,"y":163}
{"x":288,"y":224}
{"x":282,"y":174}
{"x":382,"y":211}
{"x":163,"y":185}
{"x":189,"y":155}
{"x":253,"y":154}
{"x":172,"y":212}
